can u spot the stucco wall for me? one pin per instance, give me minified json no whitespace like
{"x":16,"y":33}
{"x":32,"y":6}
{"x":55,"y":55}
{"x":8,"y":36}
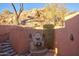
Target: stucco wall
{"x":4,"y":31}
{"x":18,"y":37}
{"x":65,"y":45}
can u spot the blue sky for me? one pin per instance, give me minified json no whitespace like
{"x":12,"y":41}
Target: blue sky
{"x":27,"y":6}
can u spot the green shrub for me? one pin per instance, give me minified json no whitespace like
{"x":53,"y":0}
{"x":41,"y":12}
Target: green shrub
{"x":49,"y":35}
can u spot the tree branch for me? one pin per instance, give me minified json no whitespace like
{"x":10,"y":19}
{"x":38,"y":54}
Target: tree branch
{"x":21,"y":9}
{"x":14,"y":8}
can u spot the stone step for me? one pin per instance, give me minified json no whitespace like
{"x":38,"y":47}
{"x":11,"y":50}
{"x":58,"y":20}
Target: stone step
{"x":6,"y":49}
{"x":38,"y":52}
{"x":44,"y":52}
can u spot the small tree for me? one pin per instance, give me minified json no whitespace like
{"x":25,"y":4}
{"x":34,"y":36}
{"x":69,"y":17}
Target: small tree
{"x":56,"y":12}
{"x":17,"y":13}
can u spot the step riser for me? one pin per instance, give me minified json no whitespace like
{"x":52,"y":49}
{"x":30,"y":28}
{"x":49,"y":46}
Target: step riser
{"x":7,"y":49}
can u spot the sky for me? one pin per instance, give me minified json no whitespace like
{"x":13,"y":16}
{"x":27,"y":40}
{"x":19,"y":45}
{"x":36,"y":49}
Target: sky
{"x":27,"y":6}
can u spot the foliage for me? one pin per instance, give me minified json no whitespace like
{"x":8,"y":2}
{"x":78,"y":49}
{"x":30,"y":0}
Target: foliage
{"x":55,"y":12}
{"x":6,"y":11}
{"x":49,"y":35}
{"x":52,"y":13}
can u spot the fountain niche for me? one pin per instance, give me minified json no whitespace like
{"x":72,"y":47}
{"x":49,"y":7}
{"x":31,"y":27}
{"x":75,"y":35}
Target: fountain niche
{"x":37,"y":44}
